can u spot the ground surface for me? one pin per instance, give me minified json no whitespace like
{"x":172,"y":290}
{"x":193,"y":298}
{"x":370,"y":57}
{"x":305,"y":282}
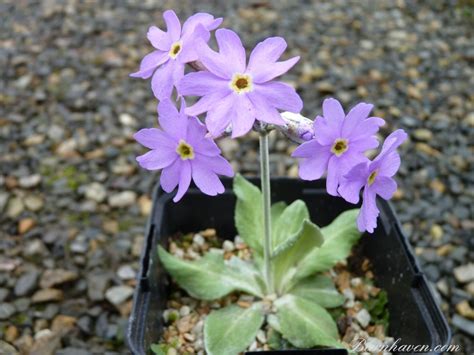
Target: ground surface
{"x":73,"y":203}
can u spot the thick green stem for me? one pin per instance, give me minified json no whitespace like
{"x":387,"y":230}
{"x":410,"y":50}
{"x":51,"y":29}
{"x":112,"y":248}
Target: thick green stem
{"x":266,"y":201}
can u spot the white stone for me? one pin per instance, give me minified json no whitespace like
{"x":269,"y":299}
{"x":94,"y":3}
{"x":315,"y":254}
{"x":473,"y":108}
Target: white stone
{"x":123,"y":199}
{"x":126,"y":272}
{"x":228,"y":245}
{"x":363,"y":317}
{"x":30,"y":181}
{"x":464,"y":273}
{"x":127,"y":120}
{"x":261,"y":337}
{"x":199,"y":240}
{"x":184,"y":311}
{"x":118,"y":294}
{"x":95,"y":192}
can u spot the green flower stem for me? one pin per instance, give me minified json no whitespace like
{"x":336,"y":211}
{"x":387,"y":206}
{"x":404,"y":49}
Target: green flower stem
{"x":266,"y":200}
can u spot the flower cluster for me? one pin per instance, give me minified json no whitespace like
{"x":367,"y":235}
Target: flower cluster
{"x":338,"y":148}
{"x":235,"y":93}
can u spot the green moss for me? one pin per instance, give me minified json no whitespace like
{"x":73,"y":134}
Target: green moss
{"x":378,"y":309}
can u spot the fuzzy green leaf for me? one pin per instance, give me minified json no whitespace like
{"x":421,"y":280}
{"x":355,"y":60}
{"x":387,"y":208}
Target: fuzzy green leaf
{"x":249,"y":213}
{"x":289,"y":223}
{"x":292,"y":251}
{"x":339,"y":237}
{"x":210,"y":277}
{"x":306,"y":324}
{"x":276,"y":211}
{"x":157,"y":349}
{"x":231,"y":330}
{"x":319,"y":289}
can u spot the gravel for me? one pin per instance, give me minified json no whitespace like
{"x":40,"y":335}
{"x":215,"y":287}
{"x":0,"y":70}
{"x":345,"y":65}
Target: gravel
{"x":73,"y":199}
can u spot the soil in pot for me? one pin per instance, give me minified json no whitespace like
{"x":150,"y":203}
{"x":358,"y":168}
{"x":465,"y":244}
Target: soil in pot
{"x":364,"y":314}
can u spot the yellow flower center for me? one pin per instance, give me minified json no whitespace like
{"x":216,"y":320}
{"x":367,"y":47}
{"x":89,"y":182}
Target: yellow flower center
{"x":340,"y":146}
{"x":184,"y":150}
{"x":241,"y":83}
{"x":372,"y":177}
{"x":175,"y":49}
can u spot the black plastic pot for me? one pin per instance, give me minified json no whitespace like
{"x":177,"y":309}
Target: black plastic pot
{"x":414,"y":315}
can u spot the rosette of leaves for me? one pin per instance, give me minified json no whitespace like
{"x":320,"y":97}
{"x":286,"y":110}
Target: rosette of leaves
{"x":301,"y":253}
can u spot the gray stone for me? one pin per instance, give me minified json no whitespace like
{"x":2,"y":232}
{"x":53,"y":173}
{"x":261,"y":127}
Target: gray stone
{"x":118,"y":294}
{"x":464,"y":273}
{"x":96,"y":285}
{"x":26,"y":283}
{"x":35,"y":247}
{"x":363,"y":317}
{"x":3,"y":200}
{"x":95,"y":192}
{"x":72,"y":351}
{"x":126,"y":272}
{"x":15,"y":207}
{"x":463,"y":324}
{"x":6,"y":310}
{"x":3,"y":294}
{"x":7,"y":349}
{"x":122,"y":199}
{"x":34,"y":203}
{"x":30,"y":181}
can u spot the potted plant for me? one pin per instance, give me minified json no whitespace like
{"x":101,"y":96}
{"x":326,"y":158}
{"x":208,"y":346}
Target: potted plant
{"x":285,"y":280}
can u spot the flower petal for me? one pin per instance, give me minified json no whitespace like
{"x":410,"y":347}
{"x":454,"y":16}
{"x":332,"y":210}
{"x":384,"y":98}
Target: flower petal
{"x":263,"y":110}
{"x":154,"y":138}
{"x":367,"y":218}
{"x":207,"y":102}
{"x":162,"y":81}
{"x":262,"y":62}
{"x":355,"y":117}
{"x":391,"y":143}
{"x":272,"y":71}
{"x":203,"y":18}
{"x":280,"y":95}
{"x":313,"y":168}
{"x":213,"y":61}
{"x":353,"y":181}
{"x":366,"y":128}
{"x":205,"y":179}
{"x":324,"y":132}
{"x":172,"y":24}
{"x":201,"y":83}
{"x":231,"y":49}
{"x":338,"y":167}
{"x":149,"y":63}
{"x":219,"y":116}
{"x":220,"y":165}
{"x":244,"y":117}
{"x":333,"y":112}
{"x":310,"y":149}
{"x":389,"y":165}
{"x":266,"y":52}
{"x":171,"y":121}
{"x":157,"y":158}
{"x":159,"y":39}
{"x":170,"y":176}
{"x":184,"y":180}
{"x":362,"y":145}
{"x":333,"y":176}
{"x":384,"y":186}
{"x":196,"y":137}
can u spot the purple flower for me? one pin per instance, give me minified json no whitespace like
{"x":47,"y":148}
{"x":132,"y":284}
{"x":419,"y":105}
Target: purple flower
{"x":182,"y":149}
{"x":376,"y":179}
{"x":339,"y":143}
{"x":174,"y":49}
{"x":237,"y":93}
